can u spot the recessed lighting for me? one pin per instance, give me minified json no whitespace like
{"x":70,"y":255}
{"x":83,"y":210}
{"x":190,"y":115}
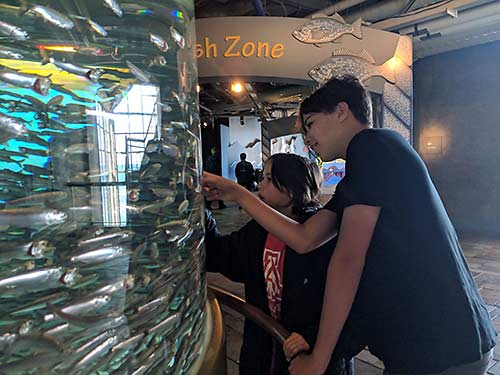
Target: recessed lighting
{"x":236,"y":87}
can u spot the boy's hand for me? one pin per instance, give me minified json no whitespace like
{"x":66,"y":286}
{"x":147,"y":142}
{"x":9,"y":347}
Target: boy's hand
{"x":294,"y":345}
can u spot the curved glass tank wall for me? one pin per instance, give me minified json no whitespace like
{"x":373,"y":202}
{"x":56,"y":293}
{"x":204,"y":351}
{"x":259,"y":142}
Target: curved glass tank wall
{"x":101,"y":238}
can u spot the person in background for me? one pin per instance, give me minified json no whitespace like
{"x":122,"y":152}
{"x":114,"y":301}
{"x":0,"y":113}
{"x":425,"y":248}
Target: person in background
{"x":213,"y":165}
{"x":284,"y":284}
{"x":398,"y":277}
{"x":244,"y":172}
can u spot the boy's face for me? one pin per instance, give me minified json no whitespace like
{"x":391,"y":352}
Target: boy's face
{"x":269,"y":194}
{"x":323,"y":134}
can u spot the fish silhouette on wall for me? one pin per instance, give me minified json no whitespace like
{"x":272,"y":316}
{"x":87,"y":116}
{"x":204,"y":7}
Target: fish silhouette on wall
{"x":253,"y":143}
{"x":359,"y":64}
{"x":322,"y":29}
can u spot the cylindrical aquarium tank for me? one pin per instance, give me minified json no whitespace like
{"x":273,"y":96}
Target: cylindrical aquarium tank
{"x":101,"y":230}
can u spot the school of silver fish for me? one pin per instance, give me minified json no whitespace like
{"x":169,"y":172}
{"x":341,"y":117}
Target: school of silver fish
{"x":100,"y":250}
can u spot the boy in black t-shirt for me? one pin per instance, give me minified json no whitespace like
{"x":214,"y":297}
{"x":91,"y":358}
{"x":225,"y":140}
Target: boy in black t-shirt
{"x":398,"y":277}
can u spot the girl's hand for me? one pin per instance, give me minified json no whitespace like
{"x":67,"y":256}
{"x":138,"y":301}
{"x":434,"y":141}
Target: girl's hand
{"x":219,"y":188}
{"x":294,"y":345}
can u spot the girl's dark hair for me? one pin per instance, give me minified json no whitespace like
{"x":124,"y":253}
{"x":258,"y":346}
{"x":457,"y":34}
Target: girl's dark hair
{"x":340,"y":89}
{"x":297,"y":176}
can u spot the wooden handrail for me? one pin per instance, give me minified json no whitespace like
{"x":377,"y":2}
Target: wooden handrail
{"x":256,"y":315}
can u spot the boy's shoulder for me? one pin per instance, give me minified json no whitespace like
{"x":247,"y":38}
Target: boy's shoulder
{"x":307,"y":212}
{"x":377,"y":136}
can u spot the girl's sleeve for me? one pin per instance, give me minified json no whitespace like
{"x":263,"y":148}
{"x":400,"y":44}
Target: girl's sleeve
{"x":228,"y":254}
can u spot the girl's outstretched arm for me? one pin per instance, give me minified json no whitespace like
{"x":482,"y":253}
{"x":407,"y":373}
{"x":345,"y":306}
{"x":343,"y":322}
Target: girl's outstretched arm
{"x":303,"y":238}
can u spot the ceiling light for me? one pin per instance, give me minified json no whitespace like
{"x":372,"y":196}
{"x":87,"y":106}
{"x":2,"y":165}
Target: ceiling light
{"x":198,"y":88}
{"x":236,"y":87}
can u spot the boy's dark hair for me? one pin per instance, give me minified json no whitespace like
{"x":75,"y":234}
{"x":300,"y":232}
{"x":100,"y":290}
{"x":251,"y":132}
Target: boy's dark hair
{"x":340,"y":89}
{"x":243,"y":156}
{"x":297,"y":176}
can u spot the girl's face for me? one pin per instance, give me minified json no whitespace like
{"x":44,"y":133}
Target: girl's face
{"x":269,"y":194}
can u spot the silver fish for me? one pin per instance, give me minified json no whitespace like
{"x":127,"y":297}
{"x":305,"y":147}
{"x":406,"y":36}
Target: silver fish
{"x":180,"y":241}
{"x":129,"y":343}
{"x":40,"y":303}
{"x":31,"y":217}
{"x":105,"y":240}
{"x":165,"y":107}
{"x":156,"y":206}
{"x":112,"y":322}
{"x":177,"y":37}
{"x":343,"y":62}
{"x":157,"y":60}
{"x":323,"y":29}
{"x":155,"y":303}
{"x":97,"y":28}
{"x":9,"y":54}
{"x":163,"y":192}
{"x":176,"y":230}
{"x":98,"y":351}
{"x":169,"y":150}
{"x":80,"y":148}
{"x":38,"y":84}
{"x":90,"y":73}
{"x":12,"y":31}
{"x":41,"y":363}
{"x":41,"y":279}
{"x":114,"y":6}
{"x":48,"y":197}
{"x":100,"y":255}
{"x":11,"y":127}
{"x":53,"y":16}
{"x":95,"y":340}
{"x":34,"y":249}
{"x":166,"y":324}
{"x":183,"y":206}
{"x":90,"y":51}
{"x":141,"y":75}
{"x":57,"y":329}
{"x":83,"y":306}
{"x":150,"y":171}
{"x":159,"y":42}
{"x":181,"y":99}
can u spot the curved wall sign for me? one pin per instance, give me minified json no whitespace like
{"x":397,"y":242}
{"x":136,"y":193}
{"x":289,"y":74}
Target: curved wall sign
{"x":303,"y":50}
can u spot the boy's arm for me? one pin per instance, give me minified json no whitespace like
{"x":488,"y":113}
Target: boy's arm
{"x":303,"y":238}
{"x":228,"y":254}
{"x":344,"y":273}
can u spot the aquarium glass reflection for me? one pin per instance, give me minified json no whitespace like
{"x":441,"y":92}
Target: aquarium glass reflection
{"x":101,"y":232}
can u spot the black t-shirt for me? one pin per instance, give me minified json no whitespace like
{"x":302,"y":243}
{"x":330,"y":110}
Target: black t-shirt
{"x":417,"y":305}
{"x":244,"y":172}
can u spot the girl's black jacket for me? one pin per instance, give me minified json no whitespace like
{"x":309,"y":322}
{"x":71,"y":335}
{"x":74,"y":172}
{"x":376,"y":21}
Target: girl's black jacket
{"x":238,"y":256}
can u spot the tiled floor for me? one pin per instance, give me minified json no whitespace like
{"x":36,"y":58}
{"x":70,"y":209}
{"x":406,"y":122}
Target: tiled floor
{"x":483,"y":256}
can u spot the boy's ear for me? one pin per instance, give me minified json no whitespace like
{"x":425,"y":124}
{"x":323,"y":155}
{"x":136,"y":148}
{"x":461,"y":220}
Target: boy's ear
{"x":342,"y":110}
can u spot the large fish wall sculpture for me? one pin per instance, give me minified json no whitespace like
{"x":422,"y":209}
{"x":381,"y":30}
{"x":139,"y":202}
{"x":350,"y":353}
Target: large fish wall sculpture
{"x":360,"y":64}
{"x":323,"y":29}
